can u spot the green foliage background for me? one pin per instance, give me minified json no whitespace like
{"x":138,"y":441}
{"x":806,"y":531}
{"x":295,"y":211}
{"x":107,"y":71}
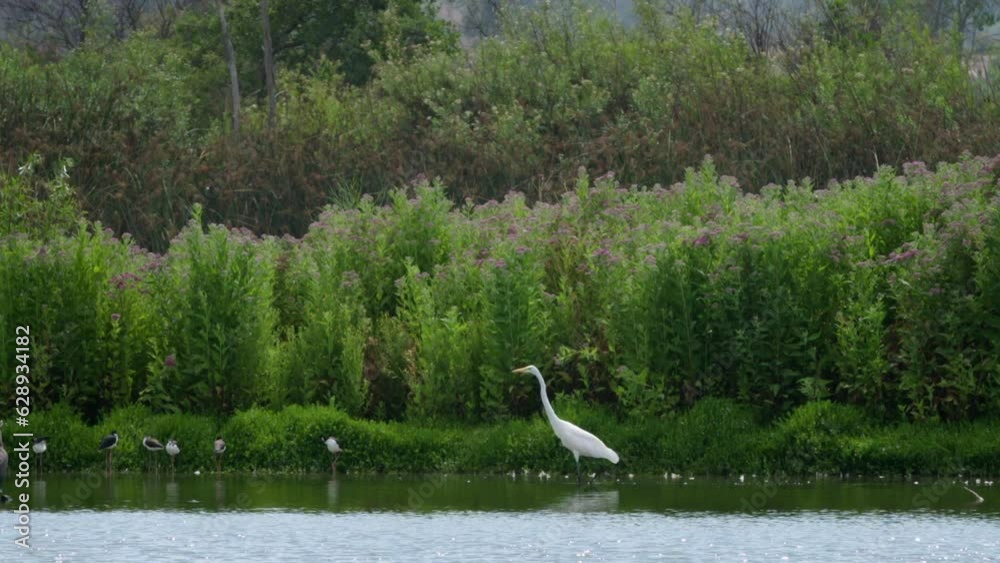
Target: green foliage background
{"x":879,"y":292}
{"x":375,"y":95}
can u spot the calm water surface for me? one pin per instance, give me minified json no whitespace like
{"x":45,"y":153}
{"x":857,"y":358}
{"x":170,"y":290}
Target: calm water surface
{"x":86,"y":517}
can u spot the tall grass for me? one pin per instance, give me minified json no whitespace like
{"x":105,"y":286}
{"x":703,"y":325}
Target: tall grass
{"x":877,"y":292}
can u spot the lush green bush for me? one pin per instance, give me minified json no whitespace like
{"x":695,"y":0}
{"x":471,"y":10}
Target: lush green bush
{"x":816,"y":434}
{"x":716,"y":437}
{"x":213,"y":301}
{"x":89,"y":323}
{"x":879,"y":292}
{"x":558,"y":89}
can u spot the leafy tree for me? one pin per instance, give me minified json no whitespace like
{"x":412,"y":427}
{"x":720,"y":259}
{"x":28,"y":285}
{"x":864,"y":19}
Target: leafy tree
{"x":353,"y":34}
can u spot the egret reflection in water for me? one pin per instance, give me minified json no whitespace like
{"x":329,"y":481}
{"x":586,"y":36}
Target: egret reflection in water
{"x":588,"y":501}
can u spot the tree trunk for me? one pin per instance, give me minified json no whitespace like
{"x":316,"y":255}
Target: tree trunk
{"x":272,"y":102}
{"x":234,"y":79}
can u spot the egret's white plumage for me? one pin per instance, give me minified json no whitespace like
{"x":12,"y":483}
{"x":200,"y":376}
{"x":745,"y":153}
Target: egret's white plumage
{"x":573,"y":438}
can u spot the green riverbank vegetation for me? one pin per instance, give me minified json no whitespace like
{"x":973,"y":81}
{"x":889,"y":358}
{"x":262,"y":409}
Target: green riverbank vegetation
{"x":715,"y":437}
{"x":670,"y":219}
{"x":841,"y":316}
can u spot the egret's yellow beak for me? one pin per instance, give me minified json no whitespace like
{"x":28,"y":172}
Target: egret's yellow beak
{"x":521,"y":370}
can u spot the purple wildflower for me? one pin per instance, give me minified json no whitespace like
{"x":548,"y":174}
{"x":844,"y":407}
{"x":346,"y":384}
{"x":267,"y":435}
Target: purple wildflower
{"x":170,"y":361}
{"x":115,"y":317}
{"x":897,"y":257}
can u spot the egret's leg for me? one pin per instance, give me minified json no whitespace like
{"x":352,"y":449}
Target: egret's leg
{"x":579,"y":477}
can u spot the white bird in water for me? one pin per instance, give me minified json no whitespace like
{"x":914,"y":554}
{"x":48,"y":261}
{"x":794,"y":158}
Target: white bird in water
{"x":334,"y":448}
{"x":573,"y":438}
{"x":39,"y":445}
{"x":219,"y":447}
{"x":172,"y":450}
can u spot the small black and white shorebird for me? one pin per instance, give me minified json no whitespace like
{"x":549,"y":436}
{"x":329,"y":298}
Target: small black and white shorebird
{"x":108,"y":444}
{"x":152,"y":445}
{"x":3,"y":467}
{"x":334,"y":448}
{"x":172,"y":450}
{"x":39,"y":446}
{"x":219,"y":447}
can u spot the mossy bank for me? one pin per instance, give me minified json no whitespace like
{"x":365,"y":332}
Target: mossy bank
{"x":715,"y":437}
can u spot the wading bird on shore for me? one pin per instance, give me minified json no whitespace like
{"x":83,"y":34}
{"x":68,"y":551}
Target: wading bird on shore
{"x":108,"y":444}
{"x":219,"y":447}
{"x":172,"y":450}
{"x":152,"y":445}
{"x":39,"y":445}
{"x":334,"y":448}
{"x":3,"y":467}
{"x":573,"y":438}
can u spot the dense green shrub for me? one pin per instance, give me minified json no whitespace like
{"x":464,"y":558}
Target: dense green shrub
{"x":557,"y":89}
{"x":216,"y":320}
{"x":878,"y":292}
{"x":815,"y":436}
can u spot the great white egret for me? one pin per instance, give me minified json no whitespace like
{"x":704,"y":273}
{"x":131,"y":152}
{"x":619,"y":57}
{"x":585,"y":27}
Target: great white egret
{"x":108,"y":444}
{"x":152,"y":445}
{"x":334,"y":448}
{"x":573,"y":438}
{"x":219,"y":447}
{"x":172,"y":450}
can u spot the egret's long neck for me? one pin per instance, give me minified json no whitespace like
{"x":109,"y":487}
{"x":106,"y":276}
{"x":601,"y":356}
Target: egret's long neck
{"x":551,"y":414}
